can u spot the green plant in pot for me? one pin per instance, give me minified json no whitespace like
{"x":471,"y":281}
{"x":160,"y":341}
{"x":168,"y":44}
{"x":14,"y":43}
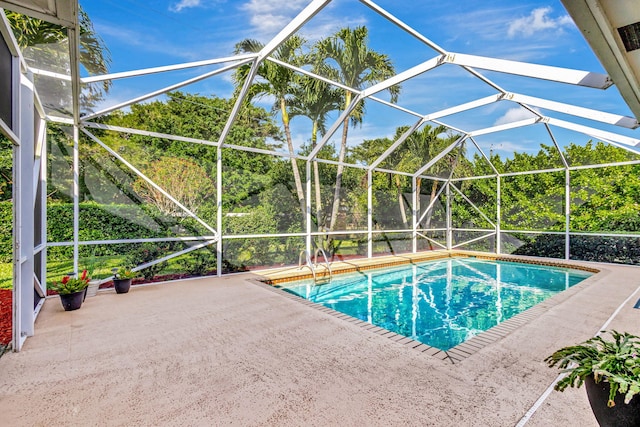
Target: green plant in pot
{"x":122,"y":278}
{"x":71,"y":290}
{"x":610,"y":371}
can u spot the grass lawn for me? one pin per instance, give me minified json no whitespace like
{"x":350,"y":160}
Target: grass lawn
{"x":6,"y":274}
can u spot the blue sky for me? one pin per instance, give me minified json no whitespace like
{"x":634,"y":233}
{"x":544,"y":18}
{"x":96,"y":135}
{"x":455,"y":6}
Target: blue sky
{"x":143,"y":34}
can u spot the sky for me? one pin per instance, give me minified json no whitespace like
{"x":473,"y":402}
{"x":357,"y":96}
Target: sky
{"x":142,"y":34}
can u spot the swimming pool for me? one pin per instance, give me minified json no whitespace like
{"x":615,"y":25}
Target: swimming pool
{"x":440,"y":303}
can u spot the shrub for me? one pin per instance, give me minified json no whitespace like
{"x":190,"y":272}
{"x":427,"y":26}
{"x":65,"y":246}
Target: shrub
{"x":147,"y":252}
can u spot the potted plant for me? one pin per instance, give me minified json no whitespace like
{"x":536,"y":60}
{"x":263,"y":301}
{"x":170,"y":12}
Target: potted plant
{"x":122,"y":278}
{"x":611,"y":372}
{"x":94,"y":285}
{"x":71,"y":290}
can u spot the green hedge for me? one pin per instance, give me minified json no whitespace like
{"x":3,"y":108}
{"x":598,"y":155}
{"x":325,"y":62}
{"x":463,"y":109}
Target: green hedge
{"x":98,"y":222}
{"x":6,"y":232}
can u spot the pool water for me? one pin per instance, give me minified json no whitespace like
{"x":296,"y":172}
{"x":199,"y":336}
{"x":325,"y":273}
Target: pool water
{"x":440,"y":303}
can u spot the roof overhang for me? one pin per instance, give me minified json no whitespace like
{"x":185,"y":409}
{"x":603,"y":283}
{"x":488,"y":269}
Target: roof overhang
{"x":61,"y":12}
{"x":612,"y":29}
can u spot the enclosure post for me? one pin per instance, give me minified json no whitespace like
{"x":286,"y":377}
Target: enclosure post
{"x":219,"y":210}
{"x":76,"y":197}
{"x":24,"y":198}
{"x":414,"y":219}
{"x":567,"y":212}
{"x":449,"y":231}
{"x":44,"y":153}
{"x":498,"y":216}
{"x":369,"y":213}
{"x":308,"y":208}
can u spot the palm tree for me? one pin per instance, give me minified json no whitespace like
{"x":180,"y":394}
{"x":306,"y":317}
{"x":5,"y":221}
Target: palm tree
{"x":422,"y":146}
{"x":315,"y":99}
{"x":277,"y":81}
{"x":36,"y":34}
{"x":352,"y":63}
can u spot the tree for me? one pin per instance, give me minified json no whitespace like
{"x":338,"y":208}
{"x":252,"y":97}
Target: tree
{"x":277,"y":81}
{"x":315,"y":99}
{"x":183,"y":179}
{"x":349,"y":60}
{"x":420,"y":148}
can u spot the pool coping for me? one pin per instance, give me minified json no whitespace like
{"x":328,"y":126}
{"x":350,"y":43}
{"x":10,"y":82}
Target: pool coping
{"x":465,"y":349}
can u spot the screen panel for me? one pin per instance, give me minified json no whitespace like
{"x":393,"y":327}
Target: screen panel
{"x":6,"y":60}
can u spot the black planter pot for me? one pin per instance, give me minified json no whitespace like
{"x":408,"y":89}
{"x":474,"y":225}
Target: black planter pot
{"x":72,"y":301}
{"x":122,"y":285}
{"x":620,"y":415}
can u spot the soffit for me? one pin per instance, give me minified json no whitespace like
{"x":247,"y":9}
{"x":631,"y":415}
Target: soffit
{"x":602,"y":22}
{"x":62,"y":12}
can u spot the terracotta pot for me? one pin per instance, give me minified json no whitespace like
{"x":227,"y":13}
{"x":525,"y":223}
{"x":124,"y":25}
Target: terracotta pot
{"x":72,"y":301}
{"x":122,"y":285}
{"x":620,"y":415}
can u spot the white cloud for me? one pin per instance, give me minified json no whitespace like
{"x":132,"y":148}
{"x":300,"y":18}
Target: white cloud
{"x":539,"y":20}
{"x":514,"y":115}
{"x":268,"y":17}
{"x":184,"y":4}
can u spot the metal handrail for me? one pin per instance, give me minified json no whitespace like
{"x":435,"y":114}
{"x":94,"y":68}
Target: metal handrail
{"x":326,"y":260}
{"x":313,"y":265}
{"x":307,"y":263}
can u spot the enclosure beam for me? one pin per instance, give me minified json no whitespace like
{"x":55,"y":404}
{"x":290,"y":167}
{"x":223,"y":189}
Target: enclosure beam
{"x":473,"y":141}
{"x":448,"y":210}
{"x":587,"y":113}
{"x":308,"y":209}
{"x":402,"y":25}
{"x":403,"y":76}
{"x":369,"y":213}
{"x":396,"y":144}
{"x":416,"y":211}
{"x":506,"y":126}
{"x":430,"y":206}
{"x":463,"y":107}
{"x":439,"y":156}
{"x":166,"y":68}
{"x":166,"y":89}
{"x":219,"y":225}
{"x":473,"y":205}
{"x":567,"y":213}
{"x":294,"y":25}
{"x":150,"y":182}
{"x":597,"y":133}
{"x":334,"y":127}
{"x":76,"y":198}
{"x":498,"y":216}
{"x":555,"y":143}
{"x":24,"y":117}
{"x":544,"y":72}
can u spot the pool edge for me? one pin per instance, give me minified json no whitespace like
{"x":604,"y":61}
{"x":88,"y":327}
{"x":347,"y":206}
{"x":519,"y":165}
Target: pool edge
{"x":467,"y":348}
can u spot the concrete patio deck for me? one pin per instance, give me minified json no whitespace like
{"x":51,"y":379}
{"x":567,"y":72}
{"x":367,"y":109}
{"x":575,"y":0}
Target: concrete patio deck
{"x":229,"y":351}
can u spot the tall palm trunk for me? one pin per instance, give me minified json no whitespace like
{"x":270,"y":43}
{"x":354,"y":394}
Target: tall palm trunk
{"x":294,"y":163}
{"x":343,"y":148}
{"x":403,"y":212}
{"x":316,"y":176}
{"x":434,"y":189}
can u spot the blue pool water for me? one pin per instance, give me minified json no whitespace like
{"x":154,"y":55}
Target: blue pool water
{"x":440,"y":303}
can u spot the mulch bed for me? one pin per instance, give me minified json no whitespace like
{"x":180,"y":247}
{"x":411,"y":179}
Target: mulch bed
{"x":6,"y":309}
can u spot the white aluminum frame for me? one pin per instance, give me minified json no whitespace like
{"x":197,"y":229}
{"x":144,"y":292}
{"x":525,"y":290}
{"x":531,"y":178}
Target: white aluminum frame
{"x":27,"y":134}
{"x":31,"y":173}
